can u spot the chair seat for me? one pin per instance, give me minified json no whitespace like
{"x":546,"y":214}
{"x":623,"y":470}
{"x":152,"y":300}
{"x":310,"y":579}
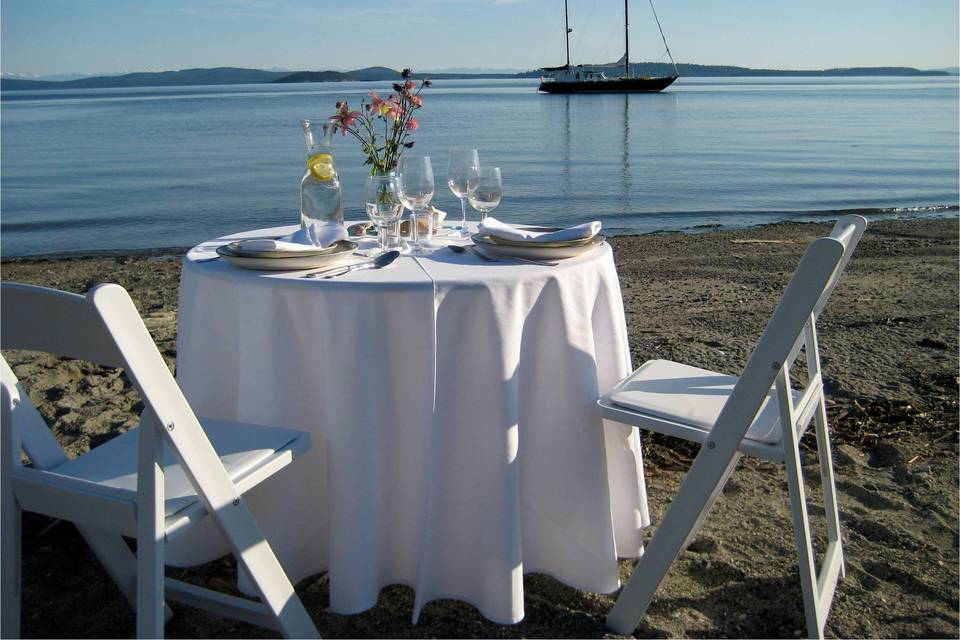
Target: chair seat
{"x":241,"y":448}
{"x":691,"y":396}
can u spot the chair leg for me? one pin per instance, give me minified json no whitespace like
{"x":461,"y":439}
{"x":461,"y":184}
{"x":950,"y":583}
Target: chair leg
{"x":10,"y":559}
{"x":801,"y":528}
{"x":705,"y":478}
{"x":150,"y":533}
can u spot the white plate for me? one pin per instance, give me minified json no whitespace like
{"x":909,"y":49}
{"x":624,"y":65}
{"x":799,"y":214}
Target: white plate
{"x":538,"y":253}
{"x":344,"y":249}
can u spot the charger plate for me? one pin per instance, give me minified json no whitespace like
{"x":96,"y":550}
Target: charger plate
{"x":542,"y":250}
{"x":287,"y":260}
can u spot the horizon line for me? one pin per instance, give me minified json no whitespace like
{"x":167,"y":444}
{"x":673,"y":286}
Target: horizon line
{"x":453,"y":70}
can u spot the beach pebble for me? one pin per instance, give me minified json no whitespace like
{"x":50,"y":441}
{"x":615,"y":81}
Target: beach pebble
{"x":703,"y":544}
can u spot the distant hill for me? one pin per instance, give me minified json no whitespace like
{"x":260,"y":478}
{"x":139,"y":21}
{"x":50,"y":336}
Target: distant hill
{"x":184,"y":77}
{"x":374,"y":73}
{"x":314,"y":76}
{"x":235,"y":75}
{"x":720,"y":70}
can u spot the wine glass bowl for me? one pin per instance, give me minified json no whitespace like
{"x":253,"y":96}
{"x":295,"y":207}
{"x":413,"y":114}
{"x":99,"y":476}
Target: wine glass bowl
{"x":463,"y":174}
{"x":416,"y":187}
{"x":383,"y":204}
{"x":486,"y":197}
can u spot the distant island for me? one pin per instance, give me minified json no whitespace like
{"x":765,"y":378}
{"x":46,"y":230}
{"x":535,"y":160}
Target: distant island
{"x":233,"y":75}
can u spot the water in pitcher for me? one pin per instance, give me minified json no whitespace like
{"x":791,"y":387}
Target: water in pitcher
{"x":321,"y":198}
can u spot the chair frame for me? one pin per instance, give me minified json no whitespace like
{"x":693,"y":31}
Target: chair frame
{"x":105,"y":328}
{"x":792,"y":328}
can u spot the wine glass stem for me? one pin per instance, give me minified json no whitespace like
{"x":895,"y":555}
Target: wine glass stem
{"x":415,"y":227}
{"x":463,"y":213}
{"x":382,"y":236}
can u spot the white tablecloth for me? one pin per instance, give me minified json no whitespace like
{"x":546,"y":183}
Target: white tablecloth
{"x":456,"y":440}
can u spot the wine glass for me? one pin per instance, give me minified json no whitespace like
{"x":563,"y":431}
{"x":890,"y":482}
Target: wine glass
{"x":463,"y":172}
{"x":486,"y":197}
{"x":415,"y":179}
{"x":384,"y":207}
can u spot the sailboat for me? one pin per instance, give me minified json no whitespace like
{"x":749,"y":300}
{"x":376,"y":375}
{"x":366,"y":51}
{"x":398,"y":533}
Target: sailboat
{"x":586,"y":79}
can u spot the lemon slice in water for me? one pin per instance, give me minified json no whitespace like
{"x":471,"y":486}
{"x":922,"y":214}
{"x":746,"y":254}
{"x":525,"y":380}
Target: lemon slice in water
{"x":321,"y":166}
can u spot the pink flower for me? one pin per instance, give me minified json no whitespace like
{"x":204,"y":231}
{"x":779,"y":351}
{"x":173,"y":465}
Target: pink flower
{"x":416,"y":101}
{"x":412,"y":124}
{"x":378,"y":104}
{"x":409,"y":85}
{"x":344,"y":117}
{"x":394,"y":109}
{"x":375,"y":100}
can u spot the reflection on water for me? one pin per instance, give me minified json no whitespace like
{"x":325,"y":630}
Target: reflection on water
{"x":625,"y":199}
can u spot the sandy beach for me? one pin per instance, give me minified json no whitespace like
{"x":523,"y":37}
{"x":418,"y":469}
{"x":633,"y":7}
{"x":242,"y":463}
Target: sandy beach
{"x":889,"y":341}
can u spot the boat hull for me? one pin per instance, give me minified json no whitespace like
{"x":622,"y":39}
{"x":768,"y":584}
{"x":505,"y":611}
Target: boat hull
{"x":612,"y":85}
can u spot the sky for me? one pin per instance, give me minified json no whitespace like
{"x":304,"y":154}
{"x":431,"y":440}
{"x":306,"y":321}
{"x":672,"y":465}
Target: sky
{"x":43,"y":37}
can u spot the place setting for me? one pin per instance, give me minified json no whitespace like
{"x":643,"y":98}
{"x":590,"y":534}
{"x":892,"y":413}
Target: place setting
{"x":500,"y":240}
{"x":311,"y":247}
{"x":302,"y":250}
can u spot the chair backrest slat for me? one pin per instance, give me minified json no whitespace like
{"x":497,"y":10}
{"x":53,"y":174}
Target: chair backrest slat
{"x":848,"y":230}
{"x":41,"y":319}
{"x":29,"y":428}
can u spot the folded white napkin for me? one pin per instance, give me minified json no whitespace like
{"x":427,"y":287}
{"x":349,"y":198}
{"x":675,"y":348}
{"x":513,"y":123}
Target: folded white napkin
{"x":493,"y":227}
{"x":316,"y":236}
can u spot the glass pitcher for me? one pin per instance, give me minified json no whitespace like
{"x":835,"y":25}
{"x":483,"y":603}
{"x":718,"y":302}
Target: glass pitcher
{"x":321,"y":199}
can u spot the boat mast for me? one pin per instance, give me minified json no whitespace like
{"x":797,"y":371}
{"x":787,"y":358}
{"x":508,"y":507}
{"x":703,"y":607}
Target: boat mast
{"x":566,"y":33}
{"x":626,"y":38}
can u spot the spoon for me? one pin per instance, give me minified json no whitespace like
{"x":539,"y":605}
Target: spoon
{"x":377,"y":263}
{"x":483,"y":255}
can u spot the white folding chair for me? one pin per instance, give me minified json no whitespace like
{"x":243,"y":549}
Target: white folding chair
{"x":757,"y":414}
{"x":134,"y":485}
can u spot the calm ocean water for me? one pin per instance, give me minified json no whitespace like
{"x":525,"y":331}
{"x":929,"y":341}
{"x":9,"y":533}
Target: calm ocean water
{"x":164,"y":167}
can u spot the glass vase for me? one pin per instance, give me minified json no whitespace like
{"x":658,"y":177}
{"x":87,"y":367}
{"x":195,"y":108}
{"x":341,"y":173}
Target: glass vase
{"x":321,"y":199}
{"x":390,"y":237}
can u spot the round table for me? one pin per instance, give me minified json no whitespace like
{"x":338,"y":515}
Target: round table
{"x":451,"y":402}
